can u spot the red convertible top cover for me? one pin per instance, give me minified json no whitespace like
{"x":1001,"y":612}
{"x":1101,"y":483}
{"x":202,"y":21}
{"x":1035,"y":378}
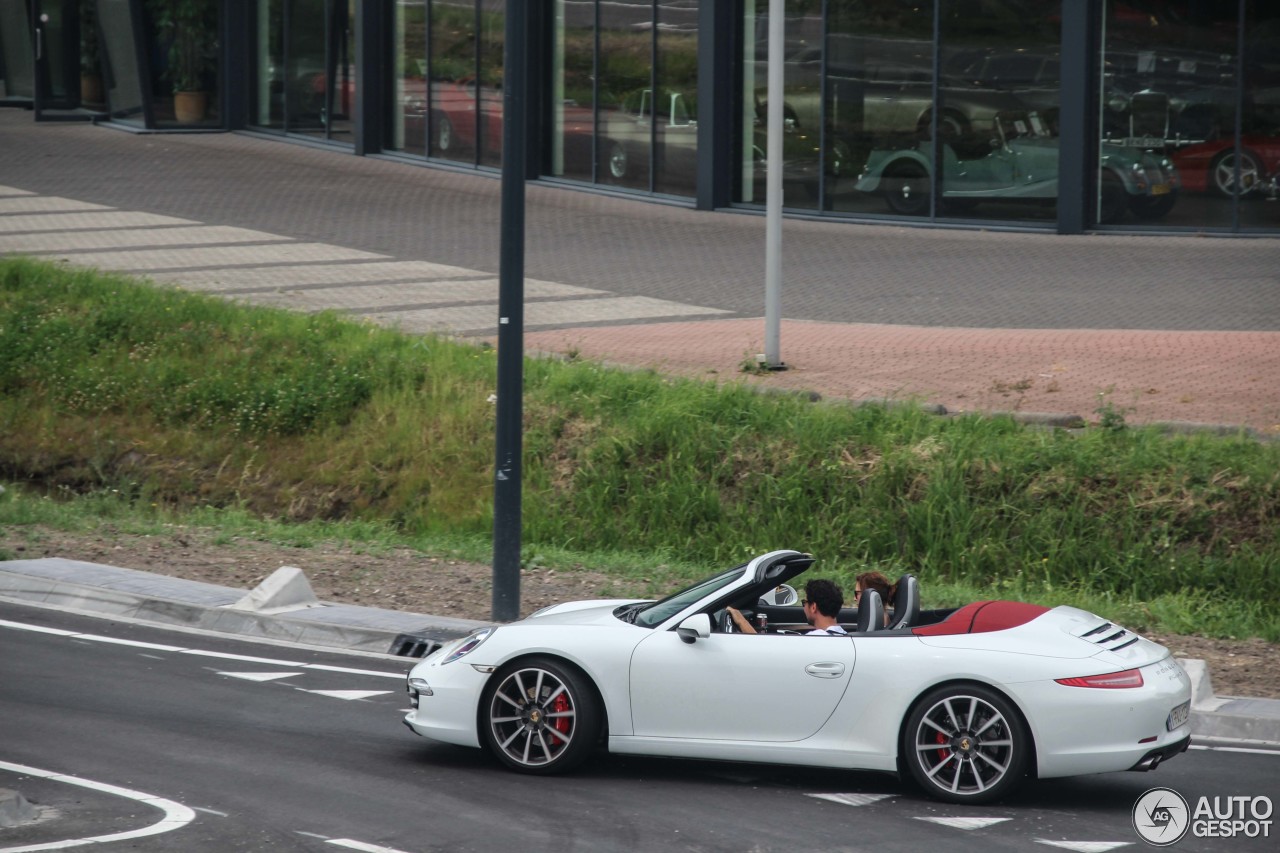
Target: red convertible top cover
{"x":983,"y":616}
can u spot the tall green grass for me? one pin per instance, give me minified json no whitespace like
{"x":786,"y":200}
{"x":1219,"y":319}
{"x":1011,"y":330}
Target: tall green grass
{"x":184,"y":401}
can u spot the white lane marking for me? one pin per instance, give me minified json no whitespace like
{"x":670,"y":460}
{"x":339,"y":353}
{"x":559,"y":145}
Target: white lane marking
{"x":360,"y":845}
{"x":117,"y":641}
{"x":176,"y":815}
{"x":97,"y":638}
{"x":349,"y":671}
{"x":348,"y":695}
{"x":22,"y":626}
{"x":244,"y":658}
{"x":211,"y":811}
{"x":966,"y":822}
{"x":260,"y":676}
{"x":1085,"y":846}
{"x":1275,"y":752}
{"x":852,"y":799}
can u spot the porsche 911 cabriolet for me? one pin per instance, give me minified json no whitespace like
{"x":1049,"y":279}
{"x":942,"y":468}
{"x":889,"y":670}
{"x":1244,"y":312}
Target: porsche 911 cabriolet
{"x":1018,"y":163}
{"x":966,"y":702}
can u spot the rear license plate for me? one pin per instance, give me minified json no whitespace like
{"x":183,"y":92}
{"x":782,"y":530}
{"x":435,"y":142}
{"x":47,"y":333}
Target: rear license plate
{"x":1178,"y":716}
{"x":1160,"y":189}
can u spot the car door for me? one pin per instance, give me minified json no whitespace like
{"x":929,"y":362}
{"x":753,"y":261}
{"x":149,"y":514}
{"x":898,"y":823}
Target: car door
{"x":768,"y":687}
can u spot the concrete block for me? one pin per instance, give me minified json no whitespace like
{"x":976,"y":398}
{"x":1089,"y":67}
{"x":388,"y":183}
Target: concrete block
{"x":14,"y":808}
{"x":286,"y":589}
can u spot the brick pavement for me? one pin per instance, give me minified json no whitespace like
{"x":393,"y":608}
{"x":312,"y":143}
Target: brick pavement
{"x":1163,"y":328}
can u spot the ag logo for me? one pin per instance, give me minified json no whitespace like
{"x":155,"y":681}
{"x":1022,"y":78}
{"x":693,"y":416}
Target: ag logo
{"x":1161,"y":817}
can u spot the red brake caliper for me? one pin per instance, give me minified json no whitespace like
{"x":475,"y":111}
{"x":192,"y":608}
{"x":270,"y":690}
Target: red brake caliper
{"x":560,"y":706}
{"x":939,"y":737}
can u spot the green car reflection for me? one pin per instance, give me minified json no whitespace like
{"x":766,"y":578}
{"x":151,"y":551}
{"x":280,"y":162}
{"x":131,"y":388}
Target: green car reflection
{"x":1018,"y":163}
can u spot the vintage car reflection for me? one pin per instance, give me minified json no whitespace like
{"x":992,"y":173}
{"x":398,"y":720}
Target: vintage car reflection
{"x":1021,"y":165}
{"x":801,"y":151}
{"x":626,"y":135}
{"x":1212,"y":166}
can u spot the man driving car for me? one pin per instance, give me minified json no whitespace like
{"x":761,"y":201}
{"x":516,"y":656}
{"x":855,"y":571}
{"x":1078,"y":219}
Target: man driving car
{"x":821,"y":605}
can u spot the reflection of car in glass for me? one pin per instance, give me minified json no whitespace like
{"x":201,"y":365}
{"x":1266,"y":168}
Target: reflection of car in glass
{"x":800,"y":150}
{"x":1211,"y":166}
{"x":627,"y":133}
{"x":968,"y":702}
{"x":1021,"y":165}
{"x":458,"y":112}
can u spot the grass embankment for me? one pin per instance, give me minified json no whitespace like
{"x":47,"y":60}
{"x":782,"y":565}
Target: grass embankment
{"x":179,"y":403}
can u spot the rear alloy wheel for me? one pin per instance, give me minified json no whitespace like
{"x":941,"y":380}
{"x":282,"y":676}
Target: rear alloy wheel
{"x":444,"y":134}
{"x":966,"y":744}
{"x":618,"y":164}
{"x":1224,"y":174}
{"x":906,"y":188}
{"x":540,"y":716}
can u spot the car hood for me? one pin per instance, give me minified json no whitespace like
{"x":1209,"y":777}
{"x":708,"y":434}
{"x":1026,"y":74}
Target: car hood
{"x":595,"y":612}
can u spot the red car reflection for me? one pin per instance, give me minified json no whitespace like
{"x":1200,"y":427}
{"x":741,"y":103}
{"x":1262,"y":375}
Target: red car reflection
{"x":1211,"y":166}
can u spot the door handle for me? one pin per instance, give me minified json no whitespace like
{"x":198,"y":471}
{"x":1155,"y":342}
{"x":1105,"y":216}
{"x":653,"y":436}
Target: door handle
{"x":825,"y":669}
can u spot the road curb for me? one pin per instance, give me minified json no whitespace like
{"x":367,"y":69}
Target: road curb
{"x":175,"y":602}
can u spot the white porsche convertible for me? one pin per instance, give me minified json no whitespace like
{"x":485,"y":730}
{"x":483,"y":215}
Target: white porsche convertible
{"x":966,"y":702}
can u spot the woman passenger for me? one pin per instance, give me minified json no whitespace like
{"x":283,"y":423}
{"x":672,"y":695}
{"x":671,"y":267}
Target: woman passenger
{"x":878,"y":582}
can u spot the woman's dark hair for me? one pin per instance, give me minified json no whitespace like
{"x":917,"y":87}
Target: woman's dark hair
{"x":880,"y":583}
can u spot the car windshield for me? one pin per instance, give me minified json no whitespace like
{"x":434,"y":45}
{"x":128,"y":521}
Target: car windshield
{"x":660,"y":611}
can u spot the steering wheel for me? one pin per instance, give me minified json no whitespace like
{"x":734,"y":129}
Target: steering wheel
{"x":724,"y":621}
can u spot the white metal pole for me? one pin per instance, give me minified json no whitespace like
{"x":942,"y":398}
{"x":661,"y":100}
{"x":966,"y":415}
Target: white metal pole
{"x":773,"y":190}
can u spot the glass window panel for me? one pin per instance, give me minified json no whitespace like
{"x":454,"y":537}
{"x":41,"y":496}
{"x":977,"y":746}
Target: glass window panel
{"x":626,"y":92}
{"x":305,"y":107}
{"x":999,"y":92}
{"x":452,"y":60}
{"x":803,"y":112}
{"x":489,"y":93}
{"x":408,"y":131}
{"x":125,"y":94}
{"x":17,"y":62}
{"x":572,"y":136}
{"x":340,"y":71}
{"x":880,"y":94}
{"x":1258,"y":170}
{"x":1168,"y":94}
{"x":676,"y":118}
{"x":269,"y":65}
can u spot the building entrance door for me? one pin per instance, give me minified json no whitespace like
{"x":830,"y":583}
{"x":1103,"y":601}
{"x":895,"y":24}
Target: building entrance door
{"x":60,"y":42}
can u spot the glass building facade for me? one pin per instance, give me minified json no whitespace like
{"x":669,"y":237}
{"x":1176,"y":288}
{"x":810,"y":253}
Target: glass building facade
{"x":1055,"y":115}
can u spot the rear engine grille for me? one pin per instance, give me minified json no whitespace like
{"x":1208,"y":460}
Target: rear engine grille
{"x":1109,"y":636}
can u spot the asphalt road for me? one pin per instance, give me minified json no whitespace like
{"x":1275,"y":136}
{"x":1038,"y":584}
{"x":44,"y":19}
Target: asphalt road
{"x":228,"y":745}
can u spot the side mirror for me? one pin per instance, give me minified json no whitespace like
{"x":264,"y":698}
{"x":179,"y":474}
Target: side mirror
{"x":781,"y":595}
{"x":696,"y":627}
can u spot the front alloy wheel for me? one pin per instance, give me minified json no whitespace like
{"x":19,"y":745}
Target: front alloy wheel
{"x":1224,"y":174}
{"x":965,"y":744}
{"x":540,"y":716}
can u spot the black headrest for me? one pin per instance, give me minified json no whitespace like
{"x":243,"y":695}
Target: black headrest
{"x":870,"y":611}
{"x":906,"y":603}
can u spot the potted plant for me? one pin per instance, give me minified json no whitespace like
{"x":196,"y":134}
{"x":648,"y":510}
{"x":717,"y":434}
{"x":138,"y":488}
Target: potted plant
{"x":190,"y":28}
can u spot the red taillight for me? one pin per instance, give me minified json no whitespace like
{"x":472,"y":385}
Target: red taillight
{"x":1110,"y":681}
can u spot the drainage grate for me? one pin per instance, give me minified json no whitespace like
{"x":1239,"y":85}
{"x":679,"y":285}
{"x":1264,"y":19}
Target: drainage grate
{"x":413,"y":646}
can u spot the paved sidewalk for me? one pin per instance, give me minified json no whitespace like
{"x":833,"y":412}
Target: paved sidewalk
{"x":174,"y":602}
{"x":1173,"y":328}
